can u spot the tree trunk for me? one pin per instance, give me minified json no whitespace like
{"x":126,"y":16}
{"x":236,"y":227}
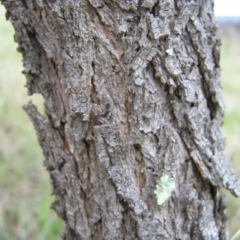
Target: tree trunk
{"x":133,"y":109}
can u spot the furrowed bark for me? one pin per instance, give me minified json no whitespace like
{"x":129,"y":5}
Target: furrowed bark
{"x":132,"y":93}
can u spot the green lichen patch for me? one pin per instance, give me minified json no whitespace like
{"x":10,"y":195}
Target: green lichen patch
{"x":169,"y":51}
{"x":164,"y":188}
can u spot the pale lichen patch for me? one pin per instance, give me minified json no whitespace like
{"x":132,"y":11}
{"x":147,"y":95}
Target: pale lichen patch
{"x":165,"y":186}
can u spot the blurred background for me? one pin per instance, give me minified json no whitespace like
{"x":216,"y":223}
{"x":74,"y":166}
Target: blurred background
{"x":24,"y":183}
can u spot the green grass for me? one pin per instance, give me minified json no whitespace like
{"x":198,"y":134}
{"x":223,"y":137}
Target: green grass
{"x":24,"y":183}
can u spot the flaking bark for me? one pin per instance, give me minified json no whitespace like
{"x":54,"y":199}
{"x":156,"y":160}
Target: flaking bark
{"x":132,"y":93}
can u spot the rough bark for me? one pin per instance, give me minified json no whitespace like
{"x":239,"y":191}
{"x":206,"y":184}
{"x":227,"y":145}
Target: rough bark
{"x":132,"y":94}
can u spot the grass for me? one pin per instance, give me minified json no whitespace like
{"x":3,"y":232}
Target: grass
{"x":24,"y":183}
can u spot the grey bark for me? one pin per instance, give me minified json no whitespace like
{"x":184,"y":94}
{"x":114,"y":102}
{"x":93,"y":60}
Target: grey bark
{"x":132,"y":93}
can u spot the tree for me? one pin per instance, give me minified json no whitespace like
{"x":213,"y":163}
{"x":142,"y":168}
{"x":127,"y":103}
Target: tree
{"x":132,"y":131}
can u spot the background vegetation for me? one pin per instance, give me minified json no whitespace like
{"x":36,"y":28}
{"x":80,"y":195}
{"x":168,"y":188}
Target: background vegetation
{"x":24,"y":183}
